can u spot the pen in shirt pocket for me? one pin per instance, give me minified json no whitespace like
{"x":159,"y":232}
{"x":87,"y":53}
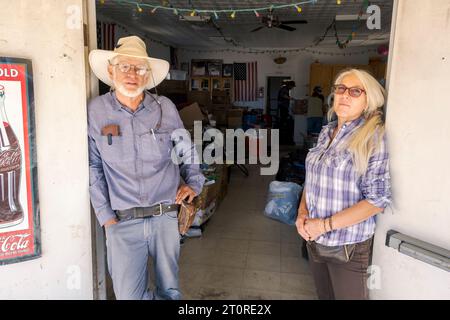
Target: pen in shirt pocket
{"x":109,"y":131}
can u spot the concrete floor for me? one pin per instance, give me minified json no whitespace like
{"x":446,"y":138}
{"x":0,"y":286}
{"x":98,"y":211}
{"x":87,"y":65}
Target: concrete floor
{"x":242,"y":254}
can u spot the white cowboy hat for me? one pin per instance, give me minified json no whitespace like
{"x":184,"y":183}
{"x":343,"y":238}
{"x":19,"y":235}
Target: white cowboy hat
{"x":134,"y":47}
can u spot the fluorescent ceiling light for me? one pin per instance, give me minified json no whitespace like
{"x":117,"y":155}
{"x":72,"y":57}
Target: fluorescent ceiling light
{"x":195,"y":18}
{"x":351,"y":17}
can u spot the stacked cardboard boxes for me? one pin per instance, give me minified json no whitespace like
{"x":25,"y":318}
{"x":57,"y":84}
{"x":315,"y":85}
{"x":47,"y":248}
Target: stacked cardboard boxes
{"x":234,"y":118}
{"x":220,"y":114}
{"x":220,"y":97}
{"x":211,"y":188}
{"x":190,"y":114}
{"x":201,"y":97}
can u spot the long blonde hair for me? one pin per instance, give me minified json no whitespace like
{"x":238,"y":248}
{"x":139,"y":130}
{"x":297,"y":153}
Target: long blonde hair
{"x":366,"y":140}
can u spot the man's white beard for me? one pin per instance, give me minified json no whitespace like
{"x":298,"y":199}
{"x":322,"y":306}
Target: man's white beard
{"x":129,"y":93}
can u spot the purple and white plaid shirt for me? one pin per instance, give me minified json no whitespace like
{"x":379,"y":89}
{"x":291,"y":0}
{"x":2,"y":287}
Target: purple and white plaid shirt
{"x":333,"y":184}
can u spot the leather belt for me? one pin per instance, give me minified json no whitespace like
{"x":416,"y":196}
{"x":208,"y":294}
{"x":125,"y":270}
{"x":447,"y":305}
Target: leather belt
{"x":143,"y":212}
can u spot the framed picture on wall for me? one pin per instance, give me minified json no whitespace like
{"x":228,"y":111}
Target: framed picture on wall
{"x":198,"y":68}
{"x":215,"y":68}
{"x":227,"y":70}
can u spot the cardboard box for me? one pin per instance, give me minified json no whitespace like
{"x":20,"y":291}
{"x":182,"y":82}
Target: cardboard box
{"x":210,"y":191}
{"x":203,"y":215}
{"x":208,"y":195}
{"x":221,"y":106}
{"x":234,"y":122}
{"x":221,"y":117}
{"x":190,"y":114}
{"x":220,"y":97}
{"x":234,"y":113}
{"x":201,"y":97}
{"x":234,"y":118}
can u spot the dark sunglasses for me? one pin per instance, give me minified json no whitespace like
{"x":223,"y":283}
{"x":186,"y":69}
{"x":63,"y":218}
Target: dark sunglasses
{"x":354,"y":92}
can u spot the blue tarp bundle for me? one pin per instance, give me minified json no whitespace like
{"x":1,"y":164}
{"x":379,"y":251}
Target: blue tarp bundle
{"x":283,"y":201}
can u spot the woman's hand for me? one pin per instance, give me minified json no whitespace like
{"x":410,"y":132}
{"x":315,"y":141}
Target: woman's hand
{"x":300,"y":223}
{"x":314,"y":228}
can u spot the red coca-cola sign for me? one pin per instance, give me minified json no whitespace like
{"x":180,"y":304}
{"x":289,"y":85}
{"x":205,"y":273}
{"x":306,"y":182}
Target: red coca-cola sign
{"x":10,"y":160}
{"x":19,"y":209}
{"x":15,"y":243}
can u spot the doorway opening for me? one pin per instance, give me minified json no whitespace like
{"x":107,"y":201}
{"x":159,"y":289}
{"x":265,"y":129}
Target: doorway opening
{"x":273,"y":86}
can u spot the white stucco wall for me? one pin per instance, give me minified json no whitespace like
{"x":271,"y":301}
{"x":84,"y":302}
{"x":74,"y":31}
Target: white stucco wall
{"x":418,"y":113}
{"x":50,"y":33}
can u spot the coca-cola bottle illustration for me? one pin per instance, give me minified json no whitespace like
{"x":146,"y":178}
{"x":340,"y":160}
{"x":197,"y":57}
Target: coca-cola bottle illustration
{"x":11,"y":212}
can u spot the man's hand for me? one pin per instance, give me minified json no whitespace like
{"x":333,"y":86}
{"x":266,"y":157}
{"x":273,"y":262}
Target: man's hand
{"x":185,"y":192}
{"x":111,"y":222}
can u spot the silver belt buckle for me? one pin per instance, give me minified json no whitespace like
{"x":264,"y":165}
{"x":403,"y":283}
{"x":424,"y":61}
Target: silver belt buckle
{"x":160,"y":211}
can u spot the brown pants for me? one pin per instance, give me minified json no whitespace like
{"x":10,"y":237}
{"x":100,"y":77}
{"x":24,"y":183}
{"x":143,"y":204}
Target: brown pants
{"x":346,"y":281}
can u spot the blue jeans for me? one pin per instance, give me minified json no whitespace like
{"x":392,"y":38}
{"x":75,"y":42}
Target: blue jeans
{"x":129,"y":245}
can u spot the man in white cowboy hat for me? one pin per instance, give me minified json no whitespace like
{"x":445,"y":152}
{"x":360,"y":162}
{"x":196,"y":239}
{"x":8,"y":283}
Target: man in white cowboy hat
{"x":134,"y":184}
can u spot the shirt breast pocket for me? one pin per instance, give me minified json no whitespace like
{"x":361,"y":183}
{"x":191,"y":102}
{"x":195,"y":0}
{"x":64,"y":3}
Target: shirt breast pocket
{"x":339,"y":159}
{"x":120,"y":149}
{"x":156,"y":146}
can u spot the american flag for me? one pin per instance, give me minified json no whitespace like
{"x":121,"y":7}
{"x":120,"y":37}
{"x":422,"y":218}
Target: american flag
{"x":105,"y":35}
{"x":245,"y":81}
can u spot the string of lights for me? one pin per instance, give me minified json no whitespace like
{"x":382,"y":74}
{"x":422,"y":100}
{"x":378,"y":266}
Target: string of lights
{"x":141,"y":6}
{"x":242,"y":50}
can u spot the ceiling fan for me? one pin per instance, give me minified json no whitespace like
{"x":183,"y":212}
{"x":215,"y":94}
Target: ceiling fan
{"x":271,"y":21}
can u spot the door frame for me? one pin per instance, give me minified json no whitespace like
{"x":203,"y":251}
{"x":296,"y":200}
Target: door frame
{"x":267,"y":98}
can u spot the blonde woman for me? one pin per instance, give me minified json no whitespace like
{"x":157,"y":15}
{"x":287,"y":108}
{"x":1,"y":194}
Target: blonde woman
{"x":347,"y":184}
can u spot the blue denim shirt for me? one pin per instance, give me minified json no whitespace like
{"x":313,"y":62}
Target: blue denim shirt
{"x":136,"y":169}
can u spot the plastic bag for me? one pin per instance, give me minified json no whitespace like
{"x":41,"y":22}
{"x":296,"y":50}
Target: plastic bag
{"x":283,"y":201}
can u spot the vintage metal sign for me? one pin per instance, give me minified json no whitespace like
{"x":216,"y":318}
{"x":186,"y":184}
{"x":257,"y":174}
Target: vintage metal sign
{"x":19,"y":201}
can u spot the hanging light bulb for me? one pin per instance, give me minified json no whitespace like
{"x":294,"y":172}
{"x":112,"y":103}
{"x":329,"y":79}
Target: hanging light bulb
{"x":154,"y":9}
{"x":338,"y":1}
{"x":299,"y":9}
{"x":256,"y":14}
{"x":139,"y":8}
{"x":175,"y":11}
{"x":193,"y":13}
{"x":233,"y":15}
{"x":215,"y":15}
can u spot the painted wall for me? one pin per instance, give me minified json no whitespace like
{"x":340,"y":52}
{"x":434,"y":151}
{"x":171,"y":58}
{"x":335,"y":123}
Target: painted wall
{"x":50,"y":33}
{"x":417,"y":124}
{"x":297,"y":66}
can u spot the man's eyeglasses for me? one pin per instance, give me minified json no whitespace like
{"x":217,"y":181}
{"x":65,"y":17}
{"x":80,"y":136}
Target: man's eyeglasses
{"x":126,"y":67}
{"x":354,"y":92}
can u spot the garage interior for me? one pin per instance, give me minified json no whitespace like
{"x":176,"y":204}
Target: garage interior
{"x":234,"y":250}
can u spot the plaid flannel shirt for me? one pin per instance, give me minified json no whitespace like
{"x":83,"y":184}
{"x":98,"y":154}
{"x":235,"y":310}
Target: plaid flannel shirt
{"x":332,"y":183}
